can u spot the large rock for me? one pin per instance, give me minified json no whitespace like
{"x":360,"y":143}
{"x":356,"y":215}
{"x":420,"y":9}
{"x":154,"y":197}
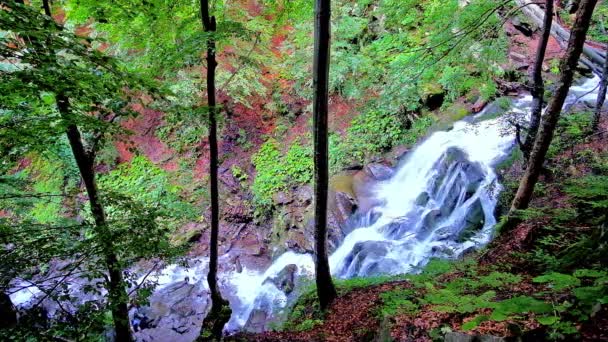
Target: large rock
{"x":257,"y":321}
{"x":285,"y":279}
{"x":423,"y":199}
{"x":282,"y":198}
{"x":378,"y":171}
{"x":175,"y":313}
{"x":473,"y":222}
{"x":341,"y":206}
{"x":364,"y":255}
{"x":304,"y":195}
{"x":431,"y":219}
{"x":522,"y":26}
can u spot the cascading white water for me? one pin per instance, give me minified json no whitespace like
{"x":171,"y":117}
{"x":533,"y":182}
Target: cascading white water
{"x":424,"y":207}
{"x":439,"y":203}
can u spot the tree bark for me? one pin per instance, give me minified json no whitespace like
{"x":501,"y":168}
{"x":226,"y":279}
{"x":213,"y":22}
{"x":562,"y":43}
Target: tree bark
{"x":8,"y":314}
{"x":325,"y":286}
{"x":117,"y":294}
{"x":545,"y":135}
{"x":594,"y":57}
{"x":601,"y":97}
{"x":47,"y":7}
{"x":538,"y":86}
{"x":220,"y":309}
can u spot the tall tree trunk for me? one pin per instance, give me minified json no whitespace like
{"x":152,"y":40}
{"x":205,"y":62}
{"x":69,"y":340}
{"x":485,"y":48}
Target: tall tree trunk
{"x":220,"y":309}
{"x":47,"y":7}
{"x":8,"y":314}
{"x":545,"y":135}
{"x":117,"y":294}
{"x":325,"y":286}
{"x":573,"y":5}
{"x":601,"y":96}
{"x":538,"y":86}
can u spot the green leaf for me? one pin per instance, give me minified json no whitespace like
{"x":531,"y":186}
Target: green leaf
{"x":558,"y":281}
{"x":547,"y":320}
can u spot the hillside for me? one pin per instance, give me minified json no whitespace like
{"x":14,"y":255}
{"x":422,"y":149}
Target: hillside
{"x":162,"y":165}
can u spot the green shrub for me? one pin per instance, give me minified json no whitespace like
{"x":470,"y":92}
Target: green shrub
{"x":277,"y":172}
{"x":150,"y":186}
{"x":398,"y":301}
{"x":371,"y":134}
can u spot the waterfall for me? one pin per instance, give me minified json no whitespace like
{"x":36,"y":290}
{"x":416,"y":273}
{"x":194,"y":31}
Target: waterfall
{"x":439,"y":203}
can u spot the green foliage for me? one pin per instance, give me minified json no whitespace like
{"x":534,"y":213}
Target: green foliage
{"x":590,"y":195}
{"x":239,"y":174}
{"x":558,"y":281}
{"x":571,"y":129}
{"x":415,"y":44}
{"x":343,"y":286}
{"x":146,"y":183}
{"x":308,"y":324}
{"x":62,"y":82}
{"x":371,"y":134}
{"x":397,"y":302}
{"x":277,"y":172}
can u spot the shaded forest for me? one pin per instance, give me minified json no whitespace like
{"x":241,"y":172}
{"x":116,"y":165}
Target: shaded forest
{"x":288,"y":170}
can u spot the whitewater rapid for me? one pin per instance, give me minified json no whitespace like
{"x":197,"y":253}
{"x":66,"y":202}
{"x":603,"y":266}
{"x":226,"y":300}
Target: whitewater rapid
{"x":485,"y":142}
{"x":445,"y":187}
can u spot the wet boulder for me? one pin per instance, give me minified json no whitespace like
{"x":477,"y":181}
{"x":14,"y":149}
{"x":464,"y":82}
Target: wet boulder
{"x":285,"y":279}
{"x":473,"y":177}
{"x":453,"y":198}
{"x":175,"y":312}
{"x":379,"y":172}
{"x":431,"y":219}
{"x":257,"y":321}
{"x":423,"y":199}
{"x":341,"y":207}
{"x":365,"y":254}
{"x":473,"y":222}
{"x":384,"y":266}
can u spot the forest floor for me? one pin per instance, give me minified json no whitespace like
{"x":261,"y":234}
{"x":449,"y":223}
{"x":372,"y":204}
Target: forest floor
{"x":465,"y":295}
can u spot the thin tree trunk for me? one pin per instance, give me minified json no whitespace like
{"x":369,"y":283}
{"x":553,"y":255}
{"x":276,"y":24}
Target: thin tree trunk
{"x":601,"y":96}
{"x":8,"y":314}
{"x":220,"y":310}
{"x":47,"y":7}
{"x":574,"y":4}
{"x":325,"y":287}
{"x":117,"y":294}
{"x":594,"y":57}
{"x":545,"y":135}
{"x":538,"y":86}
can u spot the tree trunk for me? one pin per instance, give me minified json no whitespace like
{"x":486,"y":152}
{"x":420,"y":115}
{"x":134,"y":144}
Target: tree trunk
{"x":595,"y":57}
{"x":545,"y":135}
{"x":572,"y":5}
{"x":220,"y":310}
{"x":325,"y":286}
{"x":117,"y":295}
{"x":47,"y":7}
{"x":8,"y":314}
{"x":538,"y":86}
{"x":601,"y":96}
